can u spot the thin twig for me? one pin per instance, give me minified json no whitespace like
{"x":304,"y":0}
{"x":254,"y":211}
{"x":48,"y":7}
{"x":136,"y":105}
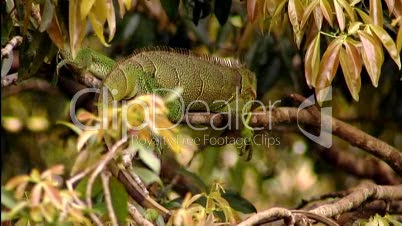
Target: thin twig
{"x":105,"y":176}
{"x":109,"y":156}
{"x":14,"y":42}
{"x":271,"y":214}
{"x":137,"y":217}
{"x":9,"y":79}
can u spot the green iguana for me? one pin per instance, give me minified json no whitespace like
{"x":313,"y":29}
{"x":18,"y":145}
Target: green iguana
{"x":218,"y":82}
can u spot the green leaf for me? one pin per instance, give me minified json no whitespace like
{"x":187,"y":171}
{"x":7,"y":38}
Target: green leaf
{"x":150,"y":159}
{"x":388,"y":43}
{"x":119,"y":199}
{"x":147,"y":176}
{"x":373,"y":56}
{"x":222,"y":10}
{"x":7,"y":199}
{"x":96,"y":188}
{"x":196,"y":181}
{"x":47,"y":15}
{"x":239,"y":203}
{"x":171,"y":8}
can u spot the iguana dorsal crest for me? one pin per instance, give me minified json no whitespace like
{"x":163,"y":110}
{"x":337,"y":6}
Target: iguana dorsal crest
{"x":227,"y":62}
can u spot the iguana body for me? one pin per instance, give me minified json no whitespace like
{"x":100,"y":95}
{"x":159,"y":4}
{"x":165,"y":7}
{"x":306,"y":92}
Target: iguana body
{"x":202,"y":78}
{"x":212,"y":80}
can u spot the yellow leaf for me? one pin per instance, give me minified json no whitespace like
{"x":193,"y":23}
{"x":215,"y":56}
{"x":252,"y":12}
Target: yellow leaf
{"x":318,"y":17}
{"x":295,"y":10}
{"x":340,"y":16}
{"x":348,"y":9}
{"x":376,"y":12}
{"x":307,"y":12}
{"x":326,"y":11}
{"x":366,"y":18}
{"x":98,"y":16}
{"x":388,"y":43}
{"x":399,"y":40}
{"x":86,"y":7}
{"x":76,"y":26}
{"x":111,"y":19}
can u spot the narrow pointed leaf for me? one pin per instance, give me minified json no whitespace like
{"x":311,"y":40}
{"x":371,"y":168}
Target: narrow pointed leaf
{"x":328,"y":67}
{"x":312,"y":61}
{"x":307,"y":12}
{"x":366,"y":18}
{"x":390,"y":5}
{"x":171,"y":8}
{"x":98,"y":16}
{"x":376,"y":12}
{"x":351,"y":67}
{"x":373,"y":56}
{"x":330,"y":60}
{"x":119,"y":200}
{"x":327,"y":11}
{"x":295,"y":10}
{"x":76,"y":26}
{"x":251,"y":10}
{"x":222,"y":10}
{"x":340,"y":16}
{"x":111,"y":19}
{"x":318,"y":17}
{"x":47,"y":15}
{"x":399,"y":40}
{"x":86,"y":7}
{"x":348,"y":9}
{"x":354,"y":27}
{"x":388,"y":43}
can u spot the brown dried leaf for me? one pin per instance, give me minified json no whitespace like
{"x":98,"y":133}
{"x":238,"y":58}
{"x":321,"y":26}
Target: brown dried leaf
{"x":318,"y":17}
{"x":373,"y":56}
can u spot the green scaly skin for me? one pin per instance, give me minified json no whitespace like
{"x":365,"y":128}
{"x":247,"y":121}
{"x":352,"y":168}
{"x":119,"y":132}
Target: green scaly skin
{"x":202,"y":78}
